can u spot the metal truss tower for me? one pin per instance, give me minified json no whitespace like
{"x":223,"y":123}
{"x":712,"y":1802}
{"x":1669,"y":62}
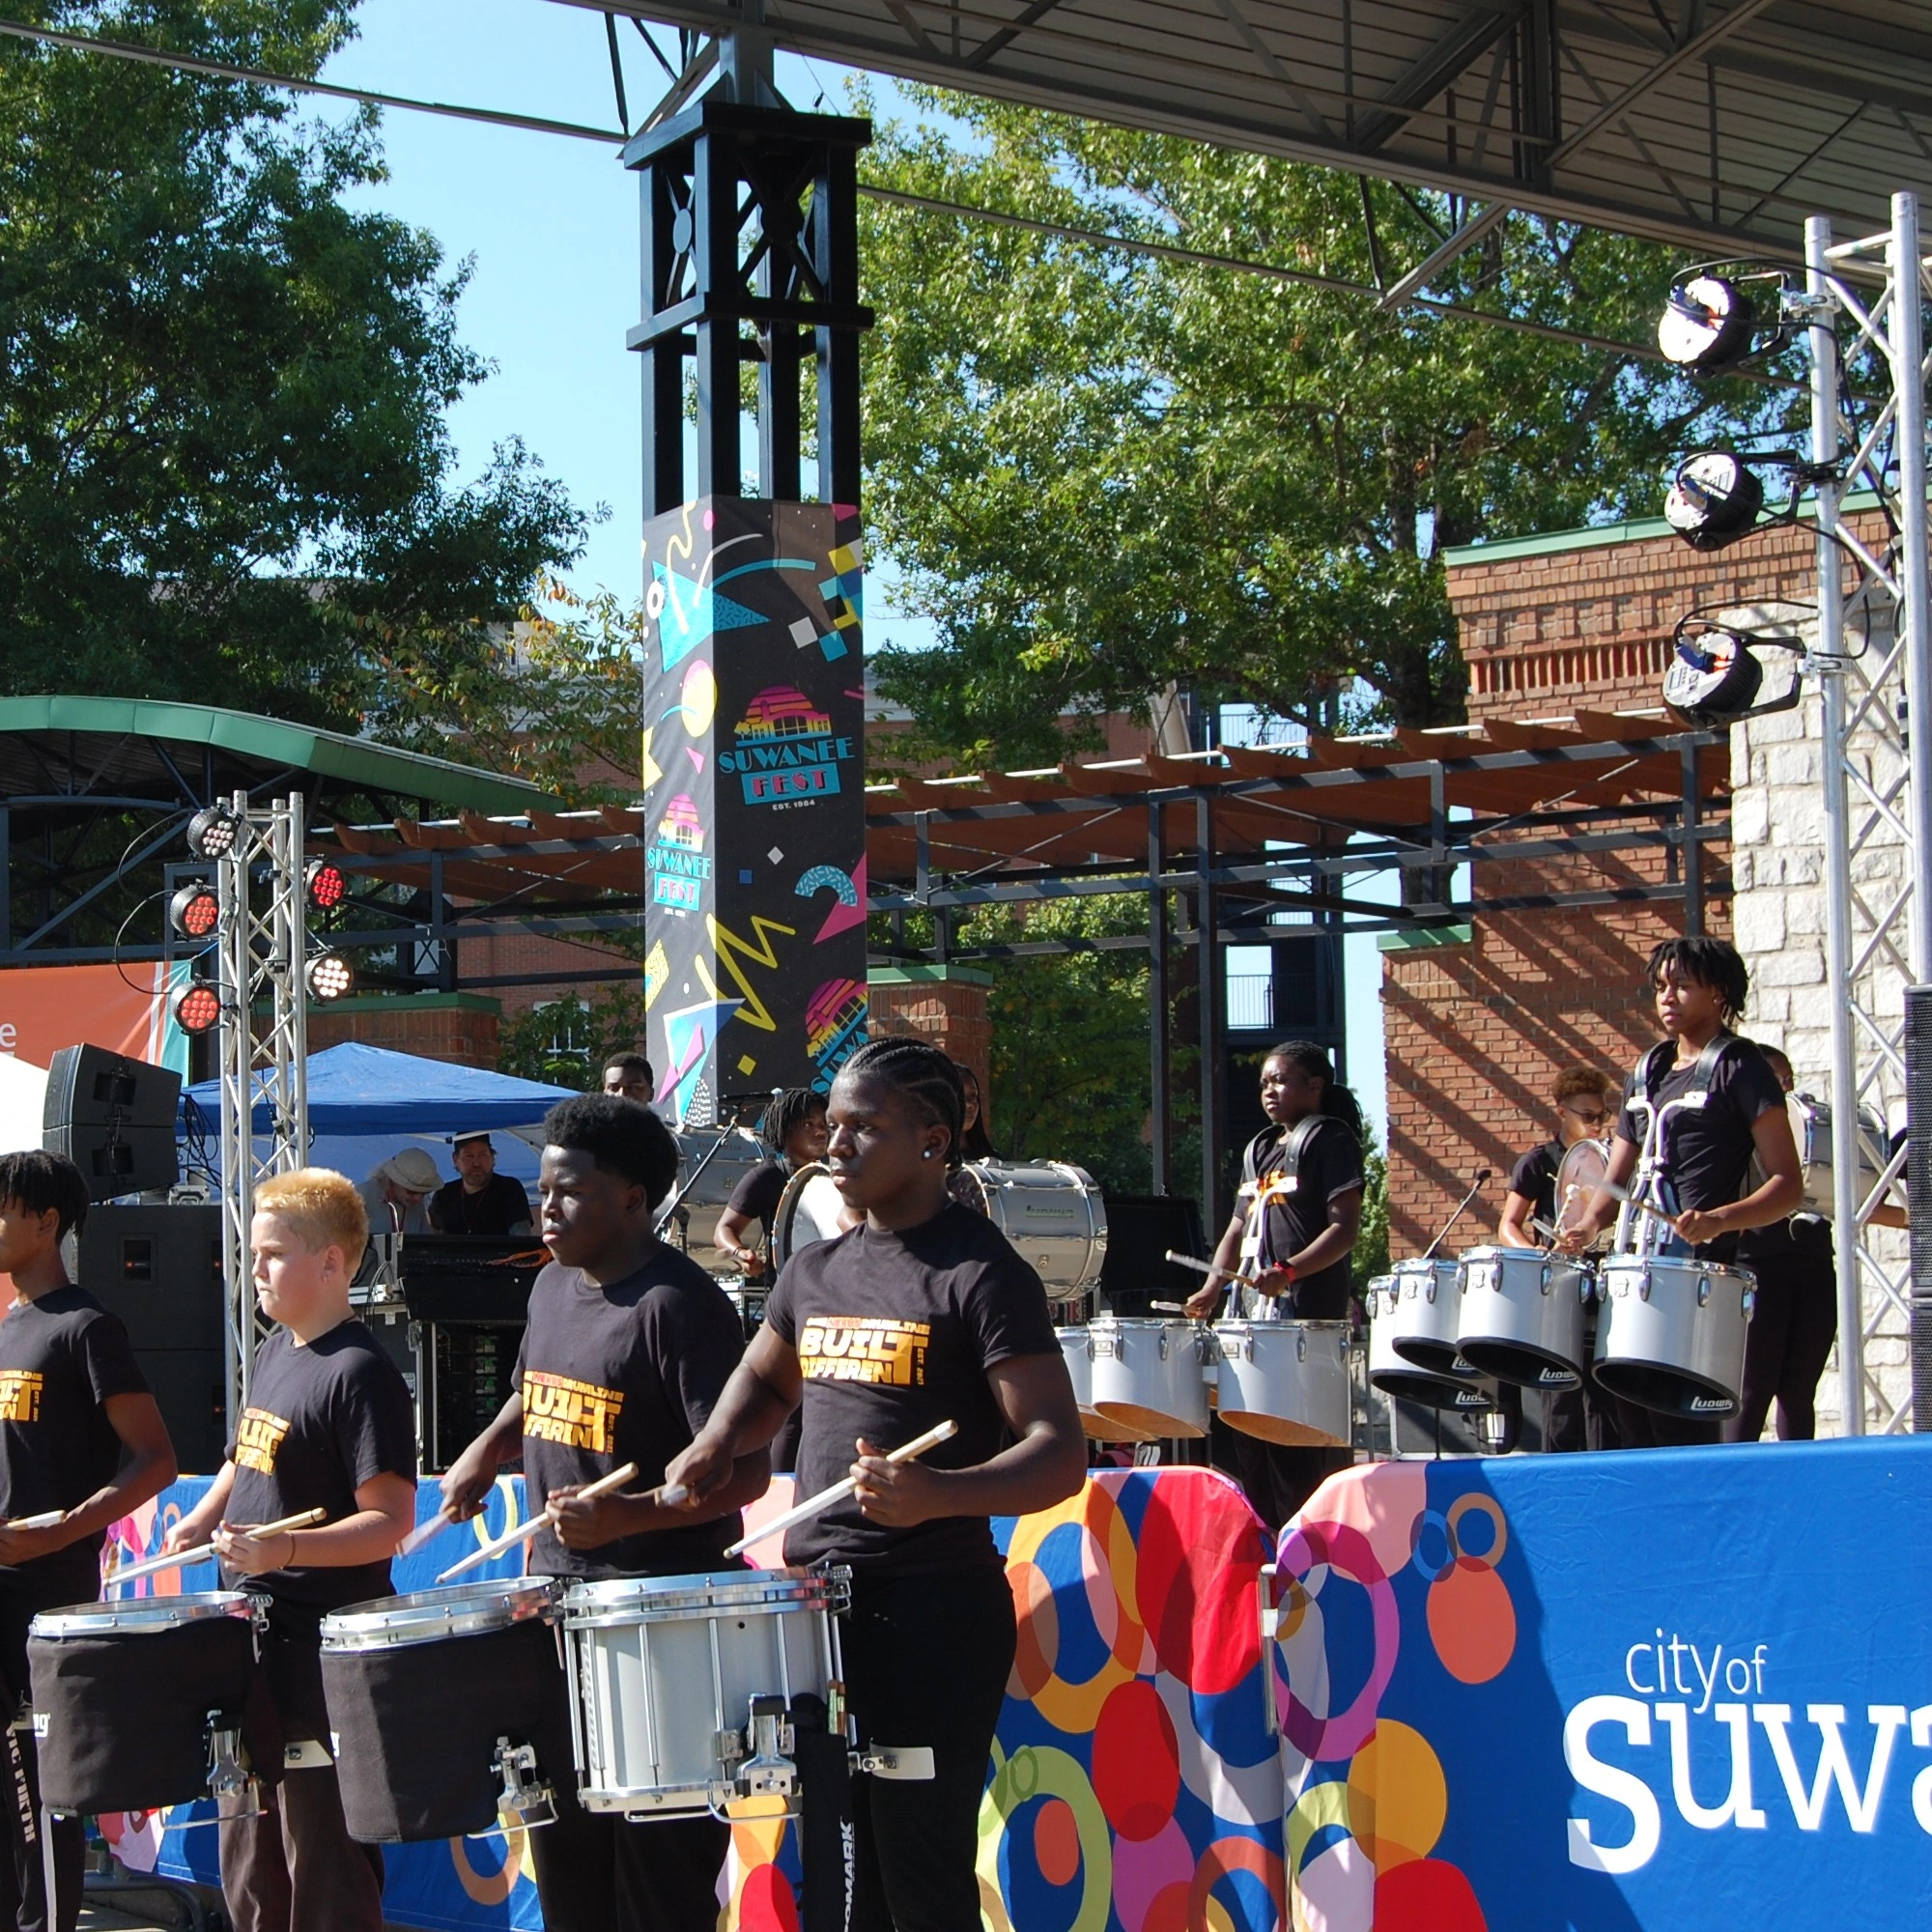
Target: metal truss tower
{"x":264,"y":1046}
{"x":1877,"y":705}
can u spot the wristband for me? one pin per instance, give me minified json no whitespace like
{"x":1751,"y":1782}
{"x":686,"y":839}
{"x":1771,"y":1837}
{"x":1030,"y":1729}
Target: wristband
{"x":1287,"y":1269}
{"x":290,"y":1535}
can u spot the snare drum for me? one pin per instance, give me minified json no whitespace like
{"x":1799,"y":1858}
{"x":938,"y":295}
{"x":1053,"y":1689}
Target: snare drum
{"x":1670,"y":1332}
{"x":140,"y":1704}
{"x":1151,"y":1375}
{"x":1052,"y":1213}
{"x":808,"y":1211}
{"x":1286,"y":1382}
{"x":1397,"y":1375}
{"x":682,"y":1686}
{"x":1523,"y":1316}
{"x":1811,"y":1129}
{"x":1427,"y":1313}
{"x":449,"y":1706}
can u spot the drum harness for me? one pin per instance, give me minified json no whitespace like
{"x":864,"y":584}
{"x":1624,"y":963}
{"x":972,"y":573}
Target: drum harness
{"x":1637,"y":1232}
{"x":1280,"y":1180}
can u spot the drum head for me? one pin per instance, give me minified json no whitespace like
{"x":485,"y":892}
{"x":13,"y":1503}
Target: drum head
{"x":1581,"y":1168}
{"x":808,"y":1211}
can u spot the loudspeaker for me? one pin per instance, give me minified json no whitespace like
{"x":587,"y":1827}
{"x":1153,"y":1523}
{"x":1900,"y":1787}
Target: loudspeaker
{"x":1141,"y":1228}
{"x":114,"y":1118}
{"x":159,"y":1270}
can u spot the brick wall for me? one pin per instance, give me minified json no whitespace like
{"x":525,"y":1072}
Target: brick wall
{"x":459,"y":1026}
{"x":944,"y":1005}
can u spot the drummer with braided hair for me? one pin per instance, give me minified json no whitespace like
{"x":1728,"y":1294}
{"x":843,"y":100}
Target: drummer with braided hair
{"x":1703,"y":1153}
{"x":628,"y":1346}
{"x":921,"y":1315}
{"x":793,"y":1128}
{"x":1296,"y":1216}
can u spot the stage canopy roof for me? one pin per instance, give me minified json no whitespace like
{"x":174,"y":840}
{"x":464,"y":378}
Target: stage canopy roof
{"x":1710,"y":125}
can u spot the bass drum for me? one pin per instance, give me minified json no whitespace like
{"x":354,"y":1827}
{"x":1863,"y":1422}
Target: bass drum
{"x":808,"y":1211}
{"x":1052,"y":1213}
{"x":1581,"y":1168}
{"x":694,"y":1221}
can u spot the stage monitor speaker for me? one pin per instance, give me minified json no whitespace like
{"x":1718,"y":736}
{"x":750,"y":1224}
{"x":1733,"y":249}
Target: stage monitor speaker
{"x":159,"y":1270}
{"x":114,"y":1118}
{"x":1141,"y":1228}
{"x":1919,"y":1196}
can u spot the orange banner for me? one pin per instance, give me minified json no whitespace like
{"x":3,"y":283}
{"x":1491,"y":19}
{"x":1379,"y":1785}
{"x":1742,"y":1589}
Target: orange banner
{"x":43,"y":1009}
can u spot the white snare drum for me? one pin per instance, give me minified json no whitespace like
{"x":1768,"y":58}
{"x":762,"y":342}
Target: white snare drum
{"x":448,"y":1708}
{"x":1811,"y":1129}
{"x":682,"y":1686}
{"x":1396,"y":1375}
{"x":1077,"y":1347}
{"x":712,"y":1181}
{"x":1052,"y":1213}
{"x":808,"y":1211}
{"x":1670,"y":1332}
{"x":1151,"y":1375}
{"x":1286,"y":1382}
{"x":1523,"y":1316}
{"x":1427,"y":1313}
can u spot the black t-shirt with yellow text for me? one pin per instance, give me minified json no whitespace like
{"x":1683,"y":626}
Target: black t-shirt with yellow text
{"x":625,"y":1372}
{"x":61,"y":1357}
{"x":894,"y":1333}
{"x":322,"y":1419}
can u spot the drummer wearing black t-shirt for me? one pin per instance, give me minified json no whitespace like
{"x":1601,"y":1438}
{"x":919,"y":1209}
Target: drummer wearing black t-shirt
{"x":1294,"y":1225}
{"x":80,"y":1439}
{"x":1704,"y":1152}
{"x":329,"y":1425}
{"x":628,"y":1348}
{"x":793,"y":1128}
{"x":921,"y":1315}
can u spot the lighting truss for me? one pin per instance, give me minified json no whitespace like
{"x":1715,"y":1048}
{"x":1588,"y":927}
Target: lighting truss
{"x":263,"y":1047}
{"x":1877,"y":773}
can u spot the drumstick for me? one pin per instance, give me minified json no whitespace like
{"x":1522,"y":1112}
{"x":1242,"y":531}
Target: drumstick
{"x":1623,"y":1194}
{"x":46,"y":1520}
{"x":671,"y":1497}
{"x":542,"y":1521}
{"x":1203,"y":1267}
{"x":816,"y":1505}
{"x":182,"y":1558}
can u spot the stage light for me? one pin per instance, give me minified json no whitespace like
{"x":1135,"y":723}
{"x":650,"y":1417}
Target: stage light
{"x":329,"y":976}
{"x":1712,"y":678}
{"x":326,"y":884}
{"x":195,"y":912}
{"x":1713,"y":499}
{"x":1707,"y":325}
{"x":213,"y":831}
{"x":197,"y":1010}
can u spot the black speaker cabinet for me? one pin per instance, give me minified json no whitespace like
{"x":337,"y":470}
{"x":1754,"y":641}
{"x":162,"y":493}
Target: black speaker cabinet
{"x":1141,"y":1228}
{"x":114,"y":1118}
{"x":159,"y":1270}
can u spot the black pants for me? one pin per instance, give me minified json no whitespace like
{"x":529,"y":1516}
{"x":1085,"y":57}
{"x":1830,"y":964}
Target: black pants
{"x":1277,"y":1478}
{"x":1580,"y":1418}
{"x":662,"y":1875}
{"x":1791,"y":1332}
{"x":926,"y":1663}
{"x":1643,"y":1428}
{"x":23,"y":1898}
{"x":293,"y":1867}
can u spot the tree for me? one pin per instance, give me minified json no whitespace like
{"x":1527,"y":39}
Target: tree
{"x":225,"y":473}
{"x":569,"y":1041}
{"x":1101,"y":474}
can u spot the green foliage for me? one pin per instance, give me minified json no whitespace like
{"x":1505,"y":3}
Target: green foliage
{"x":225,"y":473}
{"x":1370,"y":1256}
{"x":1101,"y":474}
{"x":569,"y":1040}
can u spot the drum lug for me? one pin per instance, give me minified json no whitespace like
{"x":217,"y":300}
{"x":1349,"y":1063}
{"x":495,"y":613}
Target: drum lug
{"x":1549,"y":1277}
{"x":527,"y":1799}
{"x":1750,"y":1302}
{"x":908,"y":1763}
{"x":1643,"y":1286}
{"x":1703,"y":1290}
{"x":768,"y":1772}
{"x":228,"y":1775}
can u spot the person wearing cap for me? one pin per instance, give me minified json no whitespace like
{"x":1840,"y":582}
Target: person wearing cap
{"x":479,"y":1201}
{"x":396,"y":1193}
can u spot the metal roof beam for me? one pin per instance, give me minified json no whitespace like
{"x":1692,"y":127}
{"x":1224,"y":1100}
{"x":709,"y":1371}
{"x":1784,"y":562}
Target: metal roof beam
{"x":1451,"y":57}
{"x":998,"y":43}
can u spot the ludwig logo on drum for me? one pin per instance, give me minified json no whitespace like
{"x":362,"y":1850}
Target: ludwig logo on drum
{"x":20,"y":1395}
{"x":864,"y":1349}
{"x":258,"y":1440}
{"x":580,"y":1415}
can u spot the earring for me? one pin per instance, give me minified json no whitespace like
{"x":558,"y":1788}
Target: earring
{"x":926,"y":1153}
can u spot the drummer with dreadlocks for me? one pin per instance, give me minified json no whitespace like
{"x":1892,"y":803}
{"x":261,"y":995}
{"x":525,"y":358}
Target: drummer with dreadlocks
{"x":793,"y":1128}
{"x":920,"y":1316}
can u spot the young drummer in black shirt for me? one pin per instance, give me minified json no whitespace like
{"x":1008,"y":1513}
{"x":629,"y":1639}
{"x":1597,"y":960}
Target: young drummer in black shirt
{"x":1700,"y":986}
{"x":628,"y":1348}
{"x":793,"y":1128}
{"x":1291,"y":1233}
{"x":921,"y":1315}
{"x":328,"y":1424}
{"x":80,"y":1434}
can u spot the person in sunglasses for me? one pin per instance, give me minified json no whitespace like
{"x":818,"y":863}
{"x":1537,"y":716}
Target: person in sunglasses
{"x":1572,"y":1418}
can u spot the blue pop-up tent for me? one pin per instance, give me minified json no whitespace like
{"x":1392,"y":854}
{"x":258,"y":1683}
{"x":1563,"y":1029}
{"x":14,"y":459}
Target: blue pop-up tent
{"x":364,"y":1102}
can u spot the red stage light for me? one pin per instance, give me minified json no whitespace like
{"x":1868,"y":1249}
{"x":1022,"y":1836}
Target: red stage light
{"x":328,"y":885}
{"x":195,"y":911}
{"x":197,"y":1010}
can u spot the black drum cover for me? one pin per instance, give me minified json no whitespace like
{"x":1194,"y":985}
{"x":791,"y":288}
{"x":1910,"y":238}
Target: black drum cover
{"x":125,"y":1716}
{"x":416,"y":1727}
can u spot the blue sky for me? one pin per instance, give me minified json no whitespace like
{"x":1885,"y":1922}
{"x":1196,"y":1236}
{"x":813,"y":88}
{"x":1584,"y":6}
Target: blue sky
{"x":550,"y":226}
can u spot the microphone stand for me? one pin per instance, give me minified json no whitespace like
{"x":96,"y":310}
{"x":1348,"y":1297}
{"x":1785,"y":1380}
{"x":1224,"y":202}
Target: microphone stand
{"x":1475,"y":1188}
